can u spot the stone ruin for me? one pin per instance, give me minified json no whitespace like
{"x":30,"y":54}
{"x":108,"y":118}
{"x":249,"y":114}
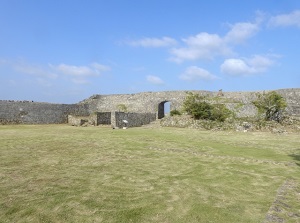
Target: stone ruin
{"x":141,"y":108}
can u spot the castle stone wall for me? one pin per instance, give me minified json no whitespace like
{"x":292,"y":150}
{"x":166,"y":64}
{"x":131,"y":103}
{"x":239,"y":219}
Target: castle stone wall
{"x":25,"y":112}
{"x":14,"y":112}
{"x":133,"y":119}
{"x":151,"y":102}
{"x":103,"y":118}
{"x":146,"y":102}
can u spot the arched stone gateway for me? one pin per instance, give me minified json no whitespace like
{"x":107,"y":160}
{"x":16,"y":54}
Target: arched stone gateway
{"x":162,"y":110}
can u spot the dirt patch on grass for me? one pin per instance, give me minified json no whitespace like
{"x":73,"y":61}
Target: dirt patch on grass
{"x":283,"y":208}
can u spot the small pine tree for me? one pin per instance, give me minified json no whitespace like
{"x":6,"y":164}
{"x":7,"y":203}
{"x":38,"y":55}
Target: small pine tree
{"x":271,"y":105}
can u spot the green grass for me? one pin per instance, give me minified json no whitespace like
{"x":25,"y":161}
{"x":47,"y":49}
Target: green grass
{"x":59,"y":173}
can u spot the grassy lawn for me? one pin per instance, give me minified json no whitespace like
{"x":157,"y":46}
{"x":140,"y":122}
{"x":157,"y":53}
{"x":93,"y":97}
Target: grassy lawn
{"x":59,"y":173}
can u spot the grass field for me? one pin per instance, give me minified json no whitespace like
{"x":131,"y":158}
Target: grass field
{"x":59,"y":173}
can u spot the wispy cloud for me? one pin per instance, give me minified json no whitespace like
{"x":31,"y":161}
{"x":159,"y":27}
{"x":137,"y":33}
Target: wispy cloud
{"x":93,"y":69}
{"x":247,"y":66}
{"x":154,"y":80}
{"x":34,"y":70}
{"x":153,"y":42}
{"x":80,"y":74}
{"x":44,"y":74}
{"x":208,"y":46}
{"x":240,"y":32}
{"x":201,"y":46}
{"x":195,"y":73}
{"x":290,"y":19}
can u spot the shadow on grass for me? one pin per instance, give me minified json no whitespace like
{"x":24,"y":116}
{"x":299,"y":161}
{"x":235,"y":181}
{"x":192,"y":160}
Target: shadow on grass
{"x":296,"y":156}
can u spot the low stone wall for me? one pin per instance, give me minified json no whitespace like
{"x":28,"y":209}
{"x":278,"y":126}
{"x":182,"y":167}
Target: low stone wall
{"x":289,"y":124}
{"x":77,"y":121}
{"x":96,"y":118}
{"x":133,"y":119}
{"x":113,"y":118}
{"x":103,"y":118}
{"x":25,"y":112}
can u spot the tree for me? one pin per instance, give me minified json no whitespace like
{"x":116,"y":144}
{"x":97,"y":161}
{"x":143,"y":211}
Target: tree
{"x":271,"y":105}
{"x":196,"y":106}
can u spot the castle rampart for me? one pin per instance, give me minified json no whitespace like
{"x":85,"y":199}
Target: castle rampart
{"x":152,"y":102}
{"x":149,"y":104}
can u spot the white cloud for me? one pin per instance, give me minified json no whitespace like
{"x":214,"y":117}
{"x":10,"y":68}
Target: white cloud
{"x":207,"y":46}
{"x":154,"y":80}
{"x":291,"y":19}
{"x":80,"y":74}
{"x":72,"y":70}
{"x":201,"y":46}
{"x":194,"y":73}
{"x":236,"y":67}
{"x":45,"y":74}
{"x":100,"y":67}
{"x":240,"y":32}
{"x":242,"y":67}
{"x":33,"y":70}
{"x":153,"y":42}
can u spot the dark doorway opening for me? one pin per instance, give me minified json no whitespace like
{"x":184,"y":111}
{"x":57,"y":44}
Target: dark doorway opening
{"x":163,"y":109}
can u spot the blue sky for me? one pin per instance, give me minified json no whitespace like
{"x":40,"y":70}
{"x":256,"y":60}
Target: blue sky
{"x":64,"y":51}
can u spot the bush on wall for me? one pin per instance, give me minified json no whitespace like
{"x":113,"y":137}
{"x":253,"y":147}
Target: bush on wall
{"x":270,"y":105}
{"x":196,"y":106}
{"x":175,"y":112}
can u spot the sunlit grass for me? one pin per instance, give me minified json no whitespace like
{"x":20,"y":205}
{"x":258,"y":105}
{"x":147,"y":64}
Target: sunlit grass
{"x":60,"y":173}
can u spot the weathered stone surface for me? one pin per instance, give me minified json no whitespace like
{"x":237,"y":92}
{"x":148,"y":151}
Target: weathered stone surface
{"x":14,"y":112}
{"x":76,"y":120}
{"x":152,"y":102}
{"x":133,"y":119}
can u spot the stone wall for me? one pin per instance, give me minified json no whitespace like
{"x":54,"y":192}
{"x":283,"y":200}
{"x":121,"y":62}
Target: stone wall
{"x":240,"y":102}
{"x":113,"y":118}
{"x":77,"y":120}
{"x":133,"y":119}
{"x":103,"y":118}
{"x":25,"y":112}
{"x":13,"y":112}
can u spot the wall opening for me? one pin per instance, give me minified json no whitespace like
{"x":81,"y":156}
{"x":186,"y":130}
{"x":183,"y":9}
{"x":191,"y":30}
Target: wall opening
{"x":163,"y":109}
{"x":167,"y":107}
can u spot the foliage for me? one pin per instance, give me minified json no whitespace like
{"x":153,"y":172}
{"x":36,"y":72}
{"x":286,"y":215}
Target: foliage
{"x":195,"y":105}
{"x":122,"y":107}
{"x":270,"y":105}
{"x":220,"y":112}
{"x":175,"y":112}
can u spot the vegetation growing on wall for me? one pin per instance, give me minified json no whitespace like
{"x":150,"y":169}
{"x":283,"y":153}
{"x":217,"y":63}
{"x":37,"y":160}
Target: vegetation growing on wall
{"x":270,"y":106}
{"x":122,"y":108}
{"x":175,"y":112}
{"x":196,"y":106}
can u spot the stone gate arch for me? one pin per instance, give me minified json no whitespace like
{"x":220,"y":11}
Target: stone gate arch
{"x":161,"y":109}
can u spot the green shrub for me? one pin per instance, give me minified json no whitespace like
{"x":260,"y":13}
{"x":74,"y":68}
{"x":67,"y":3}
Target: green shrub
{"x":122,"y":108}
{"x":175,"y":112}
{"x":196,"y":106}
{"x":270,"y":105}
{"x":220,"y":112}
